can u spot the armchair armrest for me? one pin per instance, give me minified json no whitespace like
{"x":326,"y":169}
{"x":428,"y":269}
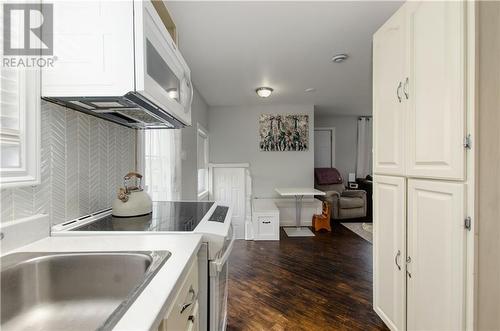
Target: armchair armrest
{"x":354,"y":193}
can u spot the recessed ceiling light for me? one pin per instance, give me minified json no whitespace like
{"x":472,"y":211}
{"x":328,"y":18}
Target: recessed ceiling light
{"x":264,"y":92}
{"x":310,"y":89}
{"x":339,"y":58}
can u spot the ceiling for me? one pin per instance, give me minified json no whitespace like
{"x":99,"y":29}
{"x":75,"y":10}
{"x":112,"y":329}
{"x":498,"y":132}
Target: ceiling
{"x":233,"y":47}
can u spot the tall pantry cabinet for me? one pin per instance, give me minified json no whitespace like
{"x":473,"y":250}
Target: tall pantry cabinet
{"x":420,"y":109}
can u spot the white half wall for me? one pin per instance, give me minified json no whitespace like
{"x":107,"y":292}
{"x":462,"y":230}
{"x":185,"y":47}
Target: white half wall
{"x":234,"y":138}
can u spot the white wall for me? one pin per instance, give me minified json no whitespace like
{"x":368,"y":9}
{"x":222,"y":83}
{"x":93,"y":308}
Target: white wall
{"x":234,"y":137}
{"x":199,"y":110}
{"x":346,"y":136}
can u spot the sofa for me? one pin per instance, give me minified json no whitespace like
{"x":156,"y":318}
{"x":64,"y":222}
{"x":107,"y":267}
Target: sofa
{"x":345,"y":203}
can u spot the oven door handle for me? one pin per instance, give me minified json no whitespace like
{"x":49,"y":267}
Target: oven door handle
{"x":219,"y":263}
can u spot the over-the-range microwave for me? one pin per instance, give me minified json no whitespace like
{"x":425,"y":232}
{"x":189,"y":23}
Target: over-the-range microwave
{"x":116,"y":60}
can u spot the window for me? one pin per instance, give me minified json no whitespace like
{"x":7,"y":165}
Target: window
{"x":162,"y":168}
{"x":19,"y":126}
{"x":202,"y":147}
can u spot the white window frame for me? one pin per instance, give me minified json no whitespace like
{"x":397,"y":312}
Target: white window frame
{"x":28,"y":136}
{"x":203,"y":133}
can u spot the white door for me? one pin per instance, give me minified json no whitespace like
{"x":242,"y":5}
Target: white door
{"x":324,"y":144}
{"x":389,"y":102}
{"x":436,"y":247}
{"x":228,"y":188}
{"x":436,"y":37}
{"x":389,"y":220}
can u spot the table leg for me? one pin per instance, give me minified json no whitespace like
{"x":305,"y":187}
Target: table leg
{"x":298,"y":209}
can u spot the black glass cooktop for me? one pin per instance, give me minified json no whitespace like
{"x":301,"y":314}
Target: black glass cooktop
{"x":166,"y":216}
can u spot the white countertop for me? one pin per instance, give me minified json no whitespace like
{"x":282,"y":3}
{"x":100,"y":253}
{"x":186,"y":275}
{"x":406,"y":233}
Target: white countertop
{"x":294,"y":191}
{"x":151,"y":305}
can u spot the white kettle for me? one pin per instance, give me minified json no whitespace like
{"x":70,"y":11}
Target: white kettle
{"x":132,"y":200}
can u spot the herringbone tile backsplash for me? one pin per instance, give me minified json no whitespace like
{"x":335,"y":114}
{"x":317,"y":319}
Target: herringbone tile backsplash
{"x":83,"y":162}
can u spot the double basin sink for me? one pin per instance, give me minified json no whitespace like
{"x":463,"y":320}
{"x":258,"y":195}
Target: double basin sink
{"x":73,"y":290}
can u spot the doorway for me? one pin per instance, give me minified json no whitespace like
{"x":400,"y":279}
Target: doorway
{"x":324,"y":147}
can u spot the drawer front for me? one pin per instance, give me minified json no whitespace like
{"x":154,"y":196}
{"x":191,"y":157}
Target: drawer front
{"x":185,"y":303}
{"x":267,"y":227}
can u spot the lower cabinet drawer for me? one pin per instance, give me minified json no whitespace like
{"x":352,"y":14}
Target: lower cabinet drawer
{"x":183,"y":314}
{"x":266,"y":227}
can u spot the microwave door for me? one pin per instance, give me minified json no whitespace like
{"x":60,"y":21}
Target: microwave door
{"x":159,"y":73}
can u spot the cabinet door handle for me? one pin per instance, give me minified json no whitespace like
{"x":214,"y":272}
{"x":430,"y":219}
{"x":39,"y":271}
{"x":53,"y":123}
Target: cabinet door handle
{"x":396,"y":259}
{"x":266,"y":222}
{"x":400,"y":85}
{"x":408,"y":261}
{"x":405,"y":88}
{"x":193,"y":299}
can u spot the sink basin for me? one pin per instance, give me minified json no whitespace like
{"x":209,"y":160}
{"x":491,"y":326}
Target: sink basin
{"x":72,"y":290}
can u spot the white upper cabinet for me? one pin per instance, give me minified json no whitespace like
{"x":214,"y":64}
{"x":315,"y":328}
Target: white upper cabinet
{"x":436,"y":109}
{"x":94,"y":45}
{"x":419,"y":91}
{"x":389,"y":103}
{"x":436,"y":253}
{"x":389,"y":253}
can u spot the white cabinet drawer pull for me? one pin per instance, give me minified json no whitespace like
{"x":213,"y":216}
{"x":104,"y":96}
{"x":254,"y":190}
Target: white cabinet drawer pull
{"x":192,"y":301}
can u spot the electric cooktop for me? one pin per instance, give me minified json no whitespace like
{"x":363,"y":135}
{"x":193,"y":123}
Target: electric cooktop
{"x":166,"y":216}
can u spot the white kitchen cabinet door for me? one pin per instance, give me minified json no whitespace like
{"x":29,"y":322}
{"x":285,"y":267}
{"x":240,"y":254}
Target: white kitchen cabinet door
{"x":85,"y":33}
{"x":436,"y":89}
{"x":228,"y":188}
{"x":389,"y":103}
{"x":436,"y":253}
{"x":389,"y":220}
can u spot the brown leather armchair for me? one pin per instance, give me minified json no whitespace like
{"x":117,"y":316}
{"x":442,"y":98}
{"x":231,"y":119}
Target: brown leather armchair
{"x":345,"y":203}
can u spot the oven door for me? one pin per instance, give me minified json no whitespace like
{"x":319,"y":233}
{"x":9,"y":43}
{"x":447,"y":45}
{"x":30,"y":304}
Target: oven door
{"x":219,"y":277}
{"x":162,"y":75}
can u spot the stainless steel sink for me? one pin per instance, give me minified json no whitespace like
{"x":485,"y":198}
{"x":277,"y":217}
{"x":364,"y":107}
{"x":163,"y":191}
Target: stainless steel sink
{"x":72,"y":291}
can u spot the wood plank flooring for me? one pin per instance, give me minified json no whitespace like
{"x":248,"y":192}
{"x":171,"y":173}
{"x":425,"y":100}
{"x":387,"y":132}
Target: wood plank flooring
{"x":315,"y":283}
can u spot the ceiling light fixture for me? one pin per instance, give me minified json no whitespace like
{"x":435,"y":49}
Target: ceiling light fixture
{"x":264,"y":92}
{"x":310,"y":89}
{"x":339,"y":58}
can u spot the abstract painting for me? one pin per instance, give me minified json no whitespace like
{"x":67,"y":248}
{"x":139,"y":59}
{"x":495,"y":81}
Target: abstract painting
{"x":284,"y":132}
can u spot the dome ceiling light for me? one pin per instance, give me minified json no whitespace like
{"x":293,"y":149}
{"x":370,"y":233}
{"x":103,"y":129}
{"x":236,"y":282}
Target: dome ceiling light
{"x":264,"y":92}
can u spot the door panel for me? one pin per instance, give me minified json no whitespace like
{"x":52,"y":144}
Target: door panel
{"x":229,"y":189}
{"x":388,"y":102}
{"x":389,"y":220}
{"x":323,"y":148}
{"x":436,"y":246}
{"x":436,"y":113}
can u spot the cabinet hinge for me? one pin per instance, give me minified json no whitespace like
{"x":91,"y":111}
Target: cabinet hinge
{"x":468,"y":142}
{"x":468,"y":223}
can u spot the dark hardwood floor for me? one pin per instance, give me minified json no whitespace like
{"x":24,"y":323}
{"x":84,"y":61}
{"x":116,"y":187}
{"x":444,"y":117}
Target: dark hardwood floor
{"x":315,"y":283}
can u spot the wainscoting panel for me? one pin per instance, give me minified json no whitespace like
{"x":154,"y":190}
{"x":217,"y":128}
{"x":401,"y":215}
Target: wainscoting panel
{"x":83,"y":161}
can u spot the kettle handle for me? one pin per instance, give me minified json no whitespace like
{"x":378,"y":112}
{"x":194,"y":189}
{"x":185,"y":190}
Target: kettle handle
{"x":133,"y":174}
